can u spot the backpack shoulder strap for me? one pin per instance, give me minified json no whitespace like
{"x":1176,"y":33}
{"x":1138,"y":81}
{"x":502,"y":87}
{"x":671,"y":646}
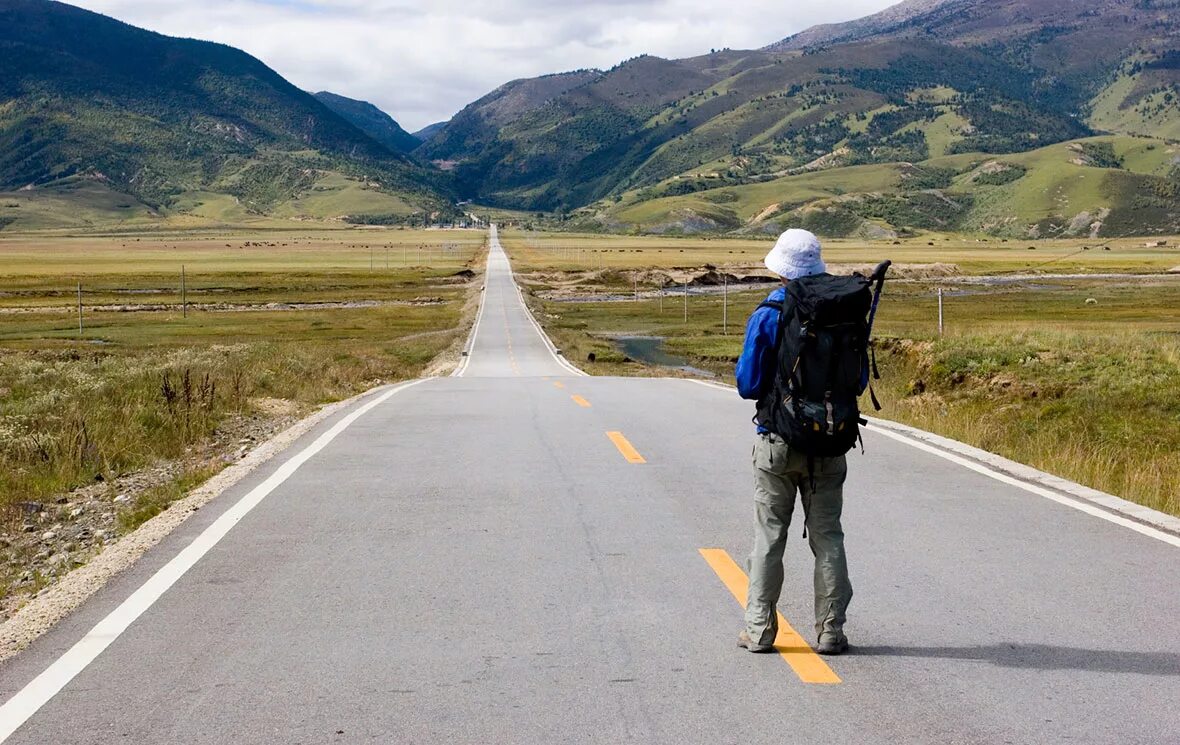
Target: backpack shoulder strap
{"x":772,"y":304}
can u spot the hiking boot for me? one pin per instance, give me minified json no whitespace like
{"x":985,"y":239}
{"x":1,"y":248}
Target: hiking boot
{"x":831,"y":643}
{"x":745,"y":642}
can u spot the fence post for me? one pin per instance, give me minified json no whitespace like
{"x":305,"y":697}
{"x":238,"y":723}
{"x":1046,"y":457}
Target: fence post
{"x":724,"y":304}
{"x":686,"y":301}
{"x":80,"y":331}
{"x":183,"y":294}
{"x":940,"y":311}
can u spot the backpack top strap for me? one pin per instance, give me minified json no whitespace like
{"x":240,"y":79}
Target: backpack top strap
{"x":772,"y":304}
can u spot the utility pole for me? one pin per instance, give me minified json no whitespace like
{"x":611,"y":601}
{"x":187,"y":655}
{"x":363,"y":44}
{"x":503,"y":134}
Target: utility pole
{"x":724,"y":304}
{"x":940,"y":311}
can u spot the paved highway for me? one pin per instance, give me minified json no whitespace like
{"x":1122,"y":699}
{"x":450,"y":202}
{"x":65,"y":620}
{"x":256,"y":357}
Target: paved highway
{"x":514,"y":555}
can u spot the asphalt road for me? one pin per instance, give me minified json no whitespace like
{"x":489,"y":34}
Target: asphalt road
{"x":474,"y":560}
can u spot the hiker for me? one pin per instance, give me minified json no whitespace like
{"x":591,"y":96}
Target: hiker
{"x":806,"y":421}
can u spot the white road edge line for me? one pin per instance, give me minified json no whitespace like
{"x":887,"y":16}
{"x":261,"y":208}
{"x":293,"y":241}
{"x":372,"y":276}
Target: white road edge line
{"x":469,"y":349}
{"x":27,"y":701}
{"x":1080,"y":502}
{"x":1089,"y":509}
{"x":549,"y":345}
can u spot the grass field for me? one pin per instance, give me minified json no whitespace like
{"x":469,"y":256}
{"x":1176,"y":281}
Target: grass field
{"x":1078,"y":377}
{"x":275,"y":322}
{"x":303,"y":266}
{"x":572,"y":251}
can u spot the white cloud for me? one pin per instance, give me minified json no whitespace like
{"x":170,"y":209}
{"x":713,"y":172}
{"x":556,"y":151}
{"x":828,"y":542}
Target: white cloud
{"x":422,"y":62}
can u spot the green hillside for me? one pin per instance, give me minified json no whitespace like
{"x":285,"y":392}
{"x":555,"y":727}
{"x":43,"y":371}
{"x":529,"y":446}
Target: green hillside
{"x":1142,"y":97}
{"x":162,"y":121}
{"x":1102,"y":186}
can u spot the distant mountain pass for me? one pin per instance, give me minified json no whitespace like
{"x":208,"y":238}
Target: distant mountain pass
{"x":371,"y":120}
{"x":428,"y":132}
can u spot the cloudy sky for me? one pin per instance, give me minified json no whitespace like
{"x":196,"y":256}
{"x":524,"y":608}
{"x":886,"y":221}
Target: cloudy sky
{"x":423,"y":61}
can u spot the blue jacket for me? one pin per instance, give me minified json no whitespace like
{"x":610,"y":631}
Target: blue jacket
{"x":756,"y":367}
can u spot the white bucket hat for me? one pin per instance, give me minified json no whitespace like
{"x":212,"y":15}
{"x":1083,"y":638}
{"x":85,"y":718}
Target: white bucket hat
{"x":796,"y":254}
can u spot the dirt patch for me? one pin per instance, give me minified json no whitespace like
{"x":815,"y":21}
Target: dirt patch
{"x":902,"y":271}
{"x":770,"y":210}
{"x":275,"y":407}
{"x":618,"y":285}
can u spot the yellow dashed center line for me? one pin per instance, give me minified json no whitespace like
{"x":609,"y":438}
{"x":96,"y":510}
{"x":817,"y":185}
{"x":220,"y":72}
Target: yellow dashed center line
{"x":558,"y":384}
{"x":808,"y":665}
{"x":581,"y":402}
{"x":626,"y":448}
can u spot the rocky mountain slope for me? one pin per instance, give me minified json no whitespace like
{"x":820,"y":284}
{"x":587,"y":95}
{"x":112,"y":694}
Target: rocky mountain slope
{"x":873,"y":25}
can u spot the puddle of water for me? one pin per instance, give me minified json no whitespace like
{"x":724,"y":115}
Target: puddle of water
{"x":650,"y":350}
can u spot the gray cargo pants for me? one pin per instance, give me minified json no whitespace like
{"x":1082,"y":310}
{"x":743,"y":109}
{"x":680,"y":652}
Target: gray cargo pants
{"x":779,"y":474}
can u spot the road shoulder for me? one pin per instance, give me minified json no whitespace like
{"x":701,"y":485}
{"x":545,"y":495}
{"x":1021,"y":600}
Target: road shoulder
{"x":1037,"y":481}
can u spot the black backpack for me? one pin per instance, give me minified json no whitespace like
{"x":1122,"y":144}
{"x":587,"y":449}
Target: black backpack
{"x":823,"y":362}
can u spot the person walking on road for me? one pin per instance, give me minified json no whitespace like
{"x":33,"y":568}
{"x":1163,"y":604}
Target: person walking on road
{"x":781,"y":472}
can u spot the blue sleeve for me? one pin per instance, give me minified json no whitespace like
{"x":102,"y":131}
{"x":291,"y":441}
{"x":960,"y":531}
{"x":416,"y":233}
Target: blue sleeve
{"x":755,"y":367}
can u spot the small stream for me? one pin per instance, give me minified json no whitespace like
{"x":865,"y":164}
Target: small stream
{"x":650,"y":350}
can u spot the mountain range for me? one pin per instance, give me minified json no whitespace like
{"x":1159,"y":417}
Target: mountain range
{"x":695,"y":144}
{"x":111,"y":114}
{"x":1020,"y":117}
